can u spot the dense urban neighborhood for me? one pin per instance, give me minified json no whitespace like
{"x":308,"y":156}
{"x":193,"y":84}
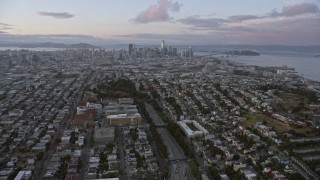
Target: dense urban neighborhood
{"x":154,"y":113}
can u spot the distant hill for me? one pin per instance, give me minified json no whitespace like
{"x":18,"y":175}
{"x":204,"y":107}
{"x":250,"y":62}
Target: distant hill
{"x":82,"y":45}
{"x":47,"y":45}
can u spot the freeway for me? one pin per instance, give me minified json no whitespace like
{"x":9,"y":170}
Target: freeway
{"x":174,"y":150}
{"x":157,"y":121}
{"x":178,"y":165}
{"x":175,"y":153}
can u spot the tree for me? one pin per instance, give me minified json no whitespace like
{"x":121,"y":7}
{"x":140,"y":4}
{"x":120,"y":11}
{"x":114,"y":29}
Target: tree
{"x":111,"y":175}
{"x":40,"y":155}
{"x":79,"y":166}
{"x":139,"y":160}
{"x":14,"y":173}
{"x":141,"y":87}
{"x":194,"y":169}
{"x":236,"y":157}
{"x":103,"y":162}
{"x":134,"y":134}
{"x":110,"y":146}
{"x":295,"y":176}
{"x":156,"y":82}
{"x":92,"y":139}
{"x":73,"y":138}
{"x":214,"y":173}
{"x":47,"y":146}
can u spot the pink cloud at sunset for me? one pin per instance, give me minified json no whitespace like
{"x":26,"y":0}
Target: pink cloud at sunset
{"x":158,"y":12}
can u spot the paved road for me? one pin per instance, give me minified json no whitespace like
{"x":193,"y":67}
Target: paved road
{"x":40,"y":172}
{"x":85,"y":153}
{"x":180,"y":171}
{"x":157,"y":121}
{"x":120,"y":144}
{"x":178,"y":166}
{"x":58,"y":134}
{"x":294,"y":165}
{"x":306,"y":176}
{"x":174,"y":150}
{"x":48,"y":155}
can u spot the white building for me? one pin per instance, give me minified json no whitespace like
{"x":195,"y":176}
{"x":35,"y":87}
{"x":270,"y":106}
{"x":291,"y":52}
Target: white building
{"x":201,"y":131}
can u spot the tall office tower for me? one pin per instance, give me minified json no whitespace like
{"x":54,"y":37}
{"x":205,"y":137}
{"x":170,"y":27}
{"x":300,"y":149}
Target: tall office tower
{"x":175,"y":51}
{"x":130,"y":49}
{"x":19,"y":60}
{"x":162,"y":45}
{"x":190,"y":52}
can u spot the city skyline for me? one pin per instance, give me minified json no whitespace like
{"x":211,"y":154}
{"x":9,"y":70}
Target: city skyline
{"x":179,"y":22}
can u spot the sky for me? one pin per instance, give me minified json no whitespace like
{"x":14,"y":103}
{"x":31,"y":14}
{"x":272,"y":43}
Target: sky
{"x":178,"y":22}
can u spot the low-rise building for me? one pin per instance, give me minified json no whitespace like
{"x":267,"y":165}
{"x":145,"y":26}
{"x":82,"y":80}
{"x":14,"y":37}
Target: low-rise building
{"x":104,"y":135}
{"x":124,"y":119}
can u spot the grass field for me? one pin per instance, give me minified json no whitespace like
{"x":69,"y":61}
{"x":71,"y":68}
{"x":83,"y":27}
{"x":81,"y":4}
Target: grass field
{"x":291,"y":100}
{"x":277,"y":125}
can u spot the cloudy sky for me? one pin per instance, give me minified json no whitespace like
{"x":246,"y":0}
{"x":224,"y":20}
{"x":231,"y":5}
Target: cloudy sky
{"x":180,"y":22}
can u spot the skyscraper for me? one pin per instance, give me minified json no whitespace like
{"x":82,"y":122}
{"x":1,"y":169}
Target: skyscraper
{"x":162,"y":45}
{"x":190,"y":52}
{"x":130,"y":49}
